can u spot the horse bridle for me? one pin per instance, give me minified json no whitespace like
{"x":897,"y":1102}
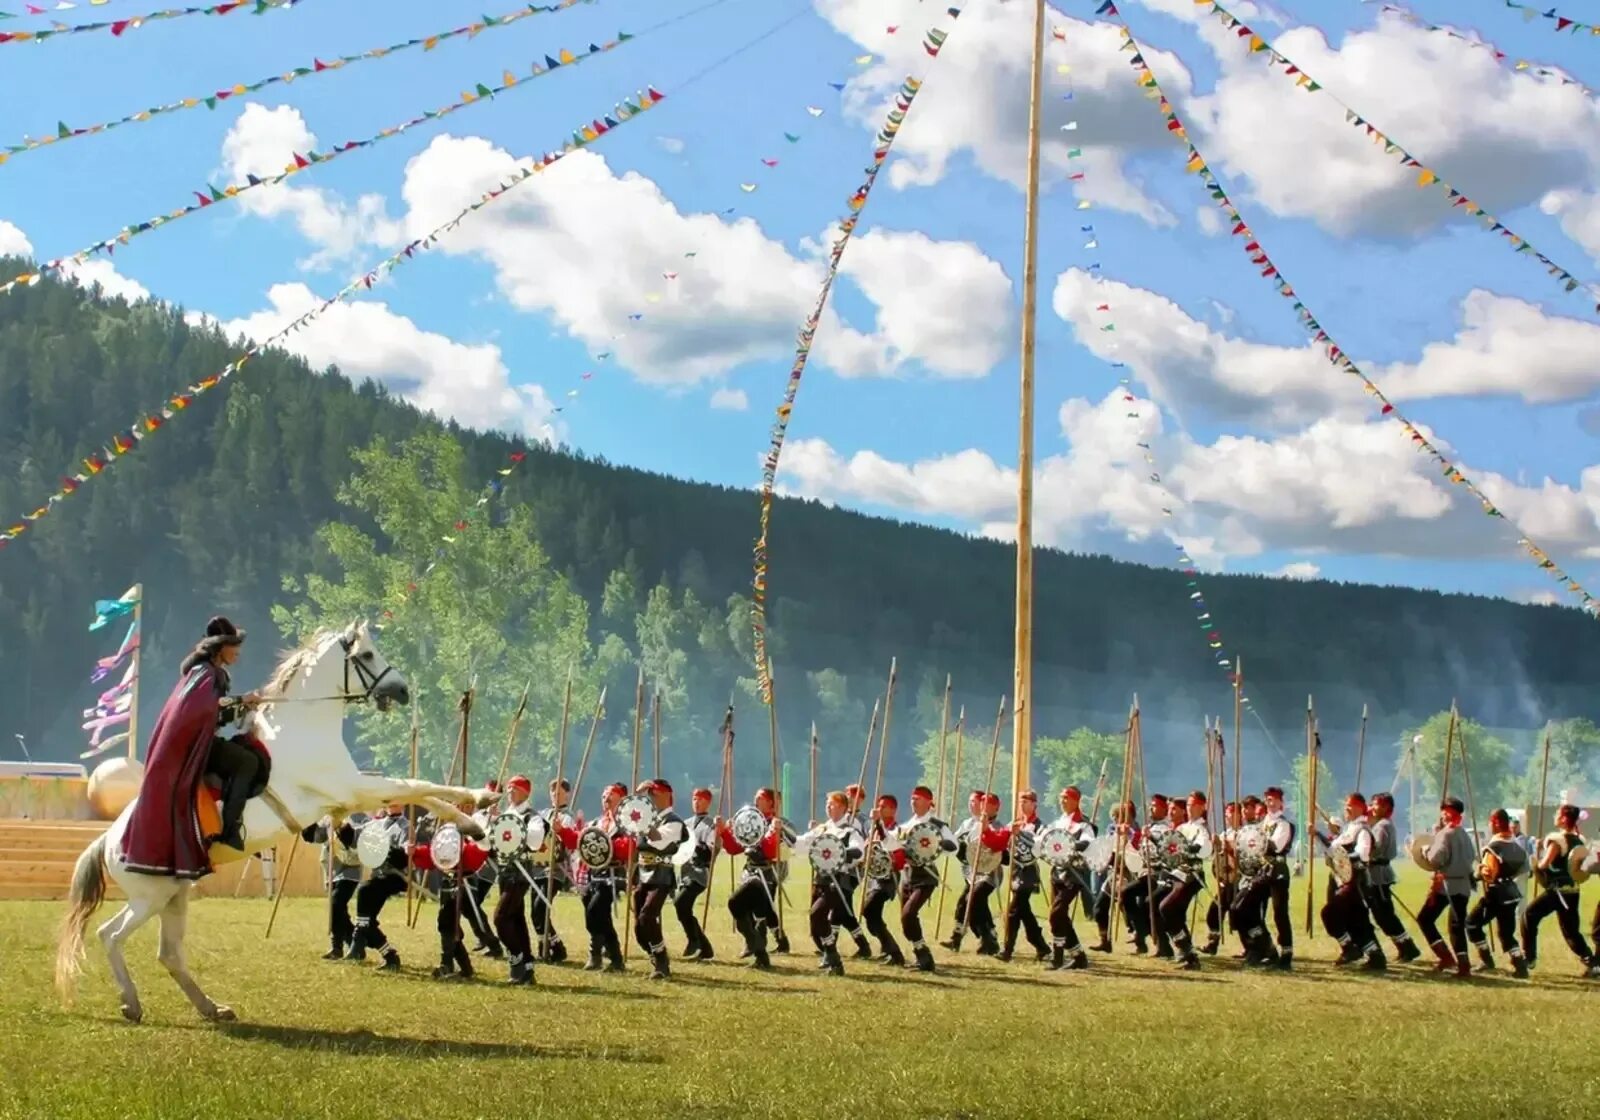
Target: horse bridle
{"x":364,"y":675}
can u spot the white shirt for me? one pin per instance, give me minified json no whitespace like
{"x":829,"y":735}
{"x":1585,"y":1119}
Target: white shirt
{"x":1357,"y":840}
{"x":1279,"y":831}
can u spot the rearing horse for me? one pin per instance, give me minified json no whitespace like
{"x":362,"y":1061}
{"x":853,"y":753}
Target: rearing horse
{"x":313,"y":775}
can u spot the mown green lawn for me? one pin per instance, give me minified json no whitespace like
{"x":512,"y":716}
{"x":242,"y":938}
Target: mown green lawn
{"x":1131,"y":1037}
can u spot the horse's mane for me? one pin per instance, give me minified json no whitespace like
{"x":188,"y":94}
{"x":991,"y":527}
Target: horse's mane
{"x":295,"y":660}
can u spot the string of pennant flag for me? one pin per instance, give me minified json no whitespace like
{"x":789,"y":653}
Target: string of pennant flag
{"x":1519,"y":65}
{"x":813,"y":111}
{"x":212,"y":195}
{"x":58,"y":6}
{"x":132,"y":23}
{"x":1557,"y":21}
{"x":319,"y":65}
{"x":1426,"y":176}
{"x":1105,"y":322}
{"x":933,"y":41}
{"x":1335,"y":354}
{"x":127,"y":440}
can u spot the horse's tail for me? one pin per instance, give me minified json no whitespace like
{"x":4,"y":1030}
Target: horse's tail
{"x":87,"y":893}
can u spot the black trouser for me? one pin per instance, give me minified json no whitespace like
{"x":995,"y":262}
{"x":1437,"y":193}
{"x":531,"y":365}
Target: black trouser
{"x":1281,"y":918}
{"x":453,"y":906}
{"x":1499,"y":904}
{"x":370,"y":897}
{"x":1248,"y":914}
{"x":472,"y":909}
{"x":1173,"y":911}
{"x":1137,"y":907}
{"x":830,"y":907}
{"x":540,"y":908}
{"x":913,"y":897}
{"x":1220,"y":905}
{"x":752,"y":908}
{"x":879,"y":894}
{"x":1020,"y":916}
{"x":1564,"y":905}
{"x":237,"y":766}
{"x":1380,"y":901}
{"x":683,"y":901}
{"x":1427,"y":918}
{"x":1063,"y":891}
{"x":648,"y":899}
{"x":980,"y":920}
{"x":509,"y":921}
{"x":1345,"y":917}
{"x":598,"y":896}
{"x":341,"y":930}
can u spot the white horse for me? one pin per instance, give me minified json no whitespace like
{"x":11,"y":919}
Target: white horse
{"x":313,"y":775}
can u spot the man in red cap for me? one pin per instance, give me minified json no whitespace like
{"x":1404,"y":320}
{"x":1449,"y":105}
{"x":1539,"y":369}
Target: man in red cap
{"x":600,"y":891}
{"x":1068,"y":882}
{"x":516,"y":879}
{"x":981,"y":853}
{"x":655,"y":876}
{"x":1451,"y":855}
{"x":695,"y":876}
{"x":552,"y":872}
{"x":882,"y":887}
{"x":1019,"y":917}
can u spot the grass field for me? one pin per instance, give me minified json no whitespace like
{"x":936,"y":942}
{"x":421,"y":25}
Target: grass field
{"x":1130,"y":1037}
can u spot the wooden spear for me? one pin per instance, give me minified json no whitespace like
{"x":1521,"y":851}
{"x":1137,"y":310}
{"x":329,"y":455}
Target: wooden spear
{"x":883,"y":750}
{"x":1361,"y":747}
{"x":655,"y":729}
{"x":411,"y":830}
{"x":944,"y":727}
{"x":638,"y":730}
{"x":777,"y":787}
{"x":724,"y":795}
{"x":955,"y":783}
{"x":554,"y":839}
{"x":511,"y":736}
{"x":1538,"y":836}
{"x":976,"y":841}
{"x":1311,"y":814}
{"x":812,"y":803}
{"x":1124,"y":828}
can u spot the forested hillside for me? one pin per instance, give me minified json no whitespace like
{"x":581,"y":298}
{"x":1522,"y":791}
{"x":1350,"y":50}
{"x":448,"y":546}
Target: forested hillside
{"x":238,"y":495}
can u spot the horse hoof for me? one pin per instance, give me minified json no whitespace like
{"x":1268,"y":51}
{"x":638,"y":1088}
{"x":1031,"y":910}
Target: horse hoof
{"x":222,"y":1014}
{"x":132,"y":1014}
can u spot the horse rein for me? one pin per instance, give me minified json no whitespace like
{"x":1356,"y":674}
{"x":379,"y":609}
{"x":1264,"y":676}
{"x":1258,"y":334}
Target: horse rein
{"x":364,"y":676}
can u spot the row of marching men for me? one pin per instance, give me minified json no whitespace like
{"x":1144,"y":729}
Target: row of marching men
{"x":1150,"y":874}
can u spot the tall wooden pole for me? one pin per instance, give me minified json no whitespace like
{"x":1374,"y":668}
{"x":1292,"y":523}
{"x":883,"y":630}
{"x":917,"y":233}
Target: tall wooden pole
{"x":1022,"y":684}
{"x":655,"y":730}
{"x":1538,"y":835}
{"x":950,"y":815}
{"x":1449,"y":752}
{"x":554,"y":837}
{"x":137,"y":591}
{"x":1238,"y":731}
{"x":944,"y":728}
{"x":1361,"y":747}
{"x":976,"y":843}
{"x":638,"y":727}
{"x":888,"y":714}
{"x":1311,"y":813}
{"x":411,"y":824}
{"x":724,"y":806}
{"x":511,"y":736}
{"x":1123,"y":828}
{"x":1466,"y":776}
{"x":811,"y":807}
{"x":772,"y":733}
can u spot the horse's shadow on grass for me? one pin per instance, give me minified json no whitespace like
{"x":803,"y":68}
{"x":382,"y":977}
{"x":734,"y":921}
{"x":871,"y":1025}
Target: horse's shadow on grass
{"x":367,"y":1042}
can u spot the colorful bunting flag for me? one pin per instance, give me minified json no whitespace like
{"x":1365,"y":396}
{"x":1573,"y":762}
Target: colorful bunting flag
{"x":807,"y":333}
{"x":118,"y":27}
{"x":1519,"y":65}
{"x":1426,"y":176}
{"x":299,"y":164}
{"x":96,"y":463}
{"x":1319,"y":334}
{"x":1557,"y":21}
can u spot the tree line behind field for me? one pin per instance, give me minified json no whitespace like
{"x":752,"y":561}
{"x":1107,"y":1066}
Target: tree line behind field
{"x":292,"y":498}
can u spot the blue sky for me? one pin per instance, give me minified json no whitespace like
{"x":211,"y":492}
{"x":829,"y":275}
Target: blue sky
{"x":912,"y":413}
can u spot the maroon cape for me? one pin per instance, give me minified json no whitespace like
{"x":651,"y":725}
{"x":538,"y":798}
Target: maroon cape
{"x":163,"y":834}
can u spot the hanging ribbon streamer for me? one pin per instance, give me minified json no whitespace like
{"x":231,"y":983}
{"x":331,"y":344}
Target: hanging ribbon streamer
{"x":1520,"y":65}
{"x":118,"y":26}
{"x":211,"y":195}
{"x":932,"y":43}
{"x":1106,"y":323}
{"x":108,"y":665}
{"x":244,"y":90}
{"x":1558,"y":22}
{"x":1426,"y":176}
{"x":1335,"y":354}
{"x":125,"y":441}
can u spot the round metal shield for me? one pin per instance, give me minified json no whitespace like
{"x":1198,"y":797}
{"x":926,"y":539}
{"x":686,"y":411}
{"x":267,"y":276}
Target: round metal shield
{"x":1099,"y":853}
{"x":685,"y":852}
{"x":985,"y":860}
{"x":1579,"y":864}
{"x":880,"y":864}
{"x":1055,"y":846}
{"x":1339,"y":865}
{"x":1174,"y":848}
{"x":827,"y":853}
{"x":1419,"y":851}
{"x":594,"y":848}
{"x":1252,"y":845}
{"x":1133,"y":861}
{"x":372,"y":845}
{"x":923,"y":843}
{"x":749,"y":826}
{"x":446,"y":847}
{"x":636,"y":815}
{"x":536,"y":837}
{"x":506,"y":835}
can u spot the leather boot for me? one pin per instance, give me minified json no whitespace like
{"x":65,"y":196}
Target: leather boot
{"x":663,"y":967}
{"x":595,"y":963}
{"x":1058,"y":958}
{"x":923,"y":958}
{"x":463,"y":962}
{"x":863,"y":948}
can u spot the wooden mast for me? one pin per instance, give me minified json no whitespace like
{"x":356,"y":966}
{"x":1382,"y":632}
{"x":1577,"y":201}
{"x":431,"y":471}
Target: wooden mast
{"x":137,"y":591}
{"x":1022,"y":685}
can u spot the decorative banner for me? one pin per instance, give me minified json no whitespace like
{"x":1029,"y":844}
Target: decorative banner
{"x":107,"y":665}
{"x":125,"y":441}
{"x":1557,"y":22}
{"x":318,"y":66}
{"x":932,"y":42}
{"x":107,"y":609}
{"x":212,"y":195}
{"x":114,"y":708}
{"x":118,"y":26}
{"x":1426,"y":176}
{"x":1521,"y":65}
{"x":1335,"y":354}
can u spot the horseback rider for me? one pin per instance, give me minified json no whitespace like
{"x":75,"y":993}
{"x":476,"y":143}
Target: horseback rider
{"x":163,"y":835}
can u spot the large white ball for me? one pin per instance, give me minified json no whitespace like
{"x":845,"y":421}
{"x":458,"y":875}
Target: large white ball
{"x":113,"y":786}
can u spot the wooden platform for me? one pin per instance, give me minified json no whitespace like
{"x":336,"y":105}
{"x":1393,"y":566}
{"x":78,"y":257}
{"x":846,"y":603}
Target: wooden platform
{"x":37,"y":858}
